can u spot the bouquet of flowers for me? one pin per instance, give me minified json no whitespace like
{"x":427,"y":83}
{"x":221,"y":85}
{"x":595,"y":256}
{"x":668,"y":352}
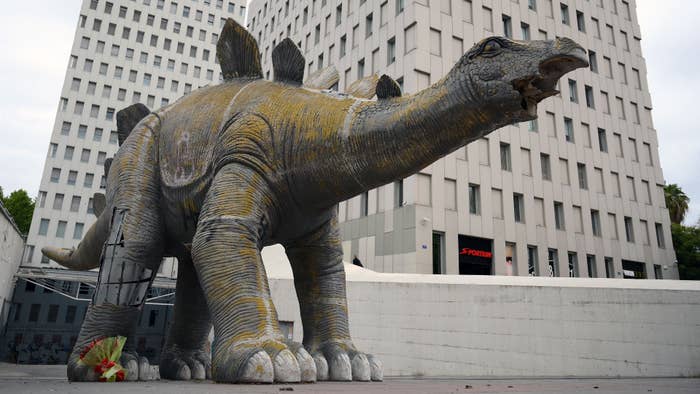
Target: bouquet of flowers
{"x":102,"y":355}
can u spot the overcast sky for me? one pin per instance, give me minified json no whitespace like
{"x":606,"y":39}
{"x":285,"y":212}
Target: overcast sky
{"x":36,"y":36}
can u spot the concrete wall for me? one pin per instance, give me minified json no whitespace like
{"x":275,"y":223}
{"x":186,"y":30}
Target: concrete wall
{"x":447,"y":325}
{"x":11,"y":247}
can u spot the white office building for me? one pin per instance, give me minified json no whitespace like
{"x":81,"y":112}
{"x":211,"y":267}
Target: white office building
{"x":124,"y":52}
{"x":577,"y":193}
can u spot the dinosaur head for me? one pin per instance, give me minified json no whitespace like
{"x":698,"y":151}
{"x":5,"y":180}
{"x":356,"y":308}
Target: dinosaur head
{"x":509,"y":78}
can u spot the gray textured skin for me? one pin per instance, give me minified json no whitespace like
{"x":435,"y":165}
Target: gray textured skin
{"x":232,"y":168}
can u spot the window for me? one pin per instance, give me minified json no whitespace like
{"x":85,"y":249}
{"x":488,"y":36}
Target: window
{"x":70,"y":314}
{"x":632,"y":189}
{"x":609,"y":268}
{"x":553,"y":262}
{"x":488,"y":18}
{"x":564,"y":171}
{"x":568,"y":130}
{"x":364,"y":204}
{"x":602,"y":140}
{"x":578,"y":219}
{"x":618,"y":144}
{"x":435,"y":42}
{"x":595,"y":223}
{"x":43,"y":226}
{"x":590,"y":101}
{"x":391,"y":51}
{"x":564,"y":14}
{"x":546,"y":167}
{"x":53,"y":148}
{"x":526,"y":161}
{"x":559,"y":216}
{"x":518,"y":208}
{"x":474,"y":199}
{"x":616,"y":184}
{"x":599,"y":181}
{"x":505,"y":157}
{"x":591,"y":264}
{"x":68,"y":153}
{"x":525,"y":31}
{"x":533,"y":126}
{"x":153,"y":316}
{"x":58,"y":201}
{"x":398,"y":194}
{"x":75,"y":204}
{"x":343,"y":45}
{"x":368,"y":25}
{"x":532,"y":4}
{"x":87,"y":182}
{"x":593,"y":61}
{"x":55,"y":174}
{"x":61,"y":229}
{"x":629,"y":229}
{"x":645,"y":231}
{"x":410,"y":38}
{"x":78,"y":231}
{"x":660,"y":242}
{"x":580,"y":21}
{"x":34,"y":311}
{"x":582,"y":176}
{"x":507,"y":26}
{"x":633,"y":149}
{"x":532,"y":261}
{"x":85,"y":156}
{"x":573,"y":91}
{"x":400,"y":4}
{"x":573,"y":265}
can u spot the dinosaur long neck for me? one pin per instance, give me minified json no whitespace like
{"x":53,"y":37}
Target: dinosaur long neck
{"x":392,"y":139}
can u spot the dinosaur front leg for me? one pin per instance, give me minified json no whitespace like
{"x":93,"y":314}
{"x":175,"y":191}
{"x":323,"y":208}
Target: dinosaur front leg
{"x":185,"y":355}
{"x":130,"y":257}
{"x":319,"y":278}
{"x":248,"y":345}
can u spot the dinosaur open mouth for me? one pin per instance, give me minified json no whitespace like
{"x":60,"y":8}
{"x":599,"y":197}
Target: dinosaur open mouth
{"x":536,"y":88}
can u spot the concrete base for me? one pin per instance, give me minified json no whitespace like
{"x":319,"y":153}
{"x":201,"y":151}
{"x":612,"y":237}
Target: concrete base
{"x":39,"y":379}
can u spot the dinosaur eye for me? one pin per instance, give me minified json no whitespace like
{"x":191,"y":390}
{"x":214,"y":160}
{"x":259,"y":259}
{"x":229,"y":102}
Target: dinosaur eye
{"x":492,"y":46}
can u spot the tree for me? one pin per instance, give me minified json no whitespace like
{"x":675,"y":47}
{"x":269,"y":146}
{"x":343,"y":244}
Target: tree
{"x":676,"y":202}
{"x":686,"y":242}
{"x":21,"y":207}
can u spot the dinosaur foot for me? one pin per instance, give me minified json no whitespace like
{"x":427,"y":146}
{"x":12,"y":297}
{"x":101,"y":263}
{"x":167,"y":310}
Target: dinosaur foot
{"x":178,"y":364}
{"x":137,"y":368}
{"x":334,"y":362}
{"x":267,"y":362}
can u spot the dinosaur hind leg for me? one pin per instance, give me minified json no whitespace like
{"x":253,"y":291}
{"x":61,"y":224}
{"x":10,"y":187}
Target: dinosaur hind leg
{"x":130,"y":256}
{"x":185,"y":355}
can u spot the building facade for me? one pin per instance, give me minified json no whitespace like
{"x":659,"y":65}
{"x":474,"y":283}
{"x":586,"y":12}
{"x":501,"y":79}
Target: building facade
{"x":49,"y":308}
{"x":579,"y":192}
{"x":124,"y":52}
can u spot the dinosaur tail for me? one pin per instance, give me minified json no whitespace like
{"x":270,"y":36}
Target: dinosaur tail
{"x":87,"y":255}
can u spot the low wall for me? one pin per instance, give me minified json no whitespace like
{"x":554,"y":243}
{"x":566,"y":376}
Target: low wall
{"x":11,"y":248}
{"x":444,"y":325}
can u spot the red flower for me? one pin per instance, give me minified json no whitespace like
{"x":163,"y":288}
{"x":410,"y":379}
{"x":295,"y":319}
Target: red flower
{"x":89,"y":347}
{"x":104,"y":366}
{"x":120,"y":375}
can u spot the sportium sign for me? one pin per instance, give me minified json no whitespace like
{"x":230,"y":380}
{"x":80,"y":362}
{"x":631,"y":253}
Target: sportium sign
{"x":475,"y":256}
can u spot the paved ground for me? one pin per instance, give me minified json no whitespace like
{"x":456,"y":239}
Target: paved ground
{"x":21,"y":379}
